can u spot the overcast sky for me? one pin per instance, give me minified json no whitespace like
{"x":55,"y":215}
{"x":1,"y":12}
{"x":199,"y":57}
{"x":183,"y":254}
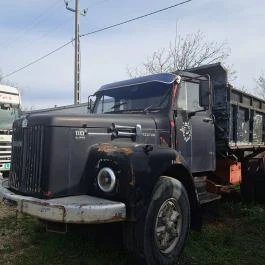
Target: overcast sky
{"x":31,"y":28}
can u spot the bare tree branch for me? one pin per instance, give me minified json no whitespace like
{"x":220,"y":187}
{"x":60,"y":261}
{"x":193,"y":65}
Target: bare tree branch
{"x":261,"y":85}
{"x":185,"y":52}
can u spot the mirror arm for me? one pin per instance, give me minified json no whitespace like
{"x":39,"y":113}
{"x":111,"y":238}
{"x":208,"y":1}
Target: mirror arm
{"x":89,"y":102}
{"x":192,"y":113}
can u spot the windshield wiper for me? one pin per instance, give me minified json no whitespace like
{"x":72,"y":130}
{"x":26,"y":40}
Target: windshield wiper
{"x":155,"y":105}
{"x":147,"y":108}
{"x":118,"y":105}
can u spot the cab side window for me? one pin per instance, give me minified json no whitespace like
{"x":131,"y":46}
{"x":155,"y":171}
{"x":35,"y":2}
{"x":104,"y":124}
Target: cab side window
{"x":105,"y":104}
{"x":188,"y":97}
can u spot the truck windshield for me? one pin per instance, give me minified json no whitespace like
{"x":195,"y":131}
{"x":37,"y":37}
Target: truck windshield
{"x":7,"y":116}
{"x":150,"y":96}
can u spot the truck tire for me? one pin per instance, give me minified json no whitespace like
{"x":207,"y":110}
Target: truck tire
{"x":160,"y":236}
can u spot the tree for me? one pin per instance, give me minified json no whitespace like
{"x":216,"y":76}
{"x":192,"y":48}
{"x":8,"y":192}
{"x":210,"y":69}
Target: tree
{"x":185,"y":52}
{"x":261,"y":85}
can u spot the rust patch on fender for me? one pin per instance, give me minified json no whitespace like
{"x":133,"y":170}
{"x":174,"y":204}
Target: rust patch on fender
{"x":116,"y":218}
{"x":109,"y":148}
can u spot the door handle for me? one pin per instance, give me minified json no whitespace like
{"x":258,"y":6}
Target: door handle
{"x":207,"y":119}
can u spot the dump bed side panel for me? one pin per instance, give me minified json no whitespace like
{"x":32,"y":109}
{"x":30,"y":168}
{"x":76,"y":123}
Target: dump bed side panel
{"x":240,"y":119}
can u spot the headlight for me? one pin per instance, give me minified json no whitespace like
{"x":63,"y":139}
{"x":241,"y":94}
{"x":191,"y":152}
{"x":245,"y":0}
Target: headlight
{"x":106,"y":179}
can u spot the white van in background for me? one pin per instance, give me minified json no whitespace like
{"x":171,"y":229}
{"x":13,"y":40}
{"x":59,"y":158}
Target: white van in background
{"x":9,"y":111}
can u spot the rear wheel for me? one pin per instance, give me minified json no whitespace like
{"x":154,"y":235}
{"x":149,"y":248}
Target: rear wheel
{"x":160,"y":236}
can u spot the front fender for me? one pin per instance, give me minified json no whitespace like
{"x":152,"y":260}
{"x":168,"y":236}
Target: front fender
{"x":138,"y":168}
{"x":148,"y":167}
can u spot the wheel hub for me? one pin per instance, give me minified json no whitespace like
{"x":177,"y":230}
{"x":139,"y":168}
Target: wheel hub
{"x":168,"y":226}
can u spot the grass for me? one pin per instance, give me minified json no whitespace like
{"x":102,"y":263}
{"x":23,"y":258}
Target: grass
{"x":234,"y":234}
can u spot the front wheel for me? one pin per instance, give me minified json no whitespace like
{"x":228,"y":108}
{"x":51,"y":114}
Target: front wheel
{"x":166,"y":224}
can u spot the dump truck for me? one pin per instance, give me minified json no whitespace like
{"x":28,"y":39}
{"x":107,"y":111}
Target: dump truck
{"x":9,"y":111}
{"x":153,"y":150}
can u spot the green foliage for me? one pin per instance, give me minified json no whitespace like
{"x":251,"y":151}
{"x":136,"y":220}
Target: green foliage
{"x":237,"y":236}
{"x":233,"y":234}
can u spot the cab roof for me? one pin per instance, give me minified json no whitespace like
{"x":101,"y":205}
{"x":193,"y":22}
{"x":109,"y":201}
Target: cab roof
{"x":166,"y":78}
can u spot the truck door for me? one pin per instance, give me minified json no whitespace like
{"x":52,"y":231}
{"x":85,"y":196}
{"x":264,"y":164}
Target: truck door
{"x":194,"y":129}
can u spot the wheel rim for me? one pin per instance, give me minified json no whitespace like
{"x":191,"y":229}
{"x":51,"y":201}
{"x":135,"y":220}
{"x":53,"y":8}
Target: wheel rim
{"x":168,"y":226}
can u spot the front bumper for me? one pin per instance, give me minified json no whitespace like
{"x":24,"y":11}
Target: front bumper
{"x":81,"y":209}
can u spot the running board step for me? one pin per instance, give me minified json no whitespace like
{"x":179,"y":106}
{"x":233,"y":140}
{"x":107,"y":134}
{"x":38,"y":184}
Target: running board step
{"x":207,"y":197}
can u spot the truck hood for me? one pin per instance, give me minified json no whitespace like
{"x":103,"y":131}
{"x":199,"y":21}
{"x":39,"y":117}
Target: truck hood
{"x":91,"y":121}
{"x":57,"y":149}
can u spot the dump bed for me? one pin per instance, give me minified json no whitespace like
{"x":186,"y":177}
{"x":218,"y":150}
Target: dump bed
{"x":239,"y":117}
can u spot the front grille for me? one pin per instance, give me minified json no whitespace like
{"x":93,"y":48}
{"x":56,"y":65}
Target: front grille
{"x":27,"y":158}
{"x":5,"y":151}
{"x":5,"y":144}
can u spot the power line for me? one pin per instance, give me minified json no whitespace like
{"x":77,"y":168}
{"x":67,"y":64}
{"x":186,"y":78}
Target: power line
{"x":28,"y":43}
{"x":36,"y":23}
{"x":37,"y":60}
{"x":133,"y":19}
{"x":55,"y":29}
{"x":38,"y":20}
{"x":93,"y":32}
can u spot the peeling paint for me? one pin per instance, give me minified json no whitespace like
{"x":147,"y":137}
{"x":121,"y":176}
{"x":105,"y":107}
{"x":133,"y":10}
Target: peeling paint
{"x":109,"y":148}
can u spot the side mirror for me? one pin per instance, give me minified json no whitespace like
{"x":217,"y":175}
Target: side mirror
{"x":91,"y":102}
{"x":205,"y":93}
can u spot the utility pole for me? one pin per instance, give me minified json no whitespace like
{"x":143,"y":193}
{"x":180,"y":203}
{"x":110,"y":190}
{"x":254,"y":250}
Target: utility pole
{"x":77,"y":49}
